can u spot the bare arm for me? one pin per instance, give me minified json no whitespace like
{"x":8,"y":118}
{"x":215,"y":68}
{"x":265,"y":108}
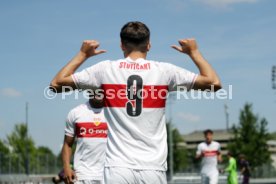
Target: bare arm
{"x":198,"y":156}
{"x":69,"y":174}
{"x":207,"y":79}
{"x":219,"y":157}
{"x":63,"y":77}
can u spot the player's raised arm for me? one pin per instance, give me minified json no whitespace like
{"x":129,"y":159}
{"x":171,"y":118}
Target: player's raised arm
{"x":63,"y":77}
{"x":207,"y":79}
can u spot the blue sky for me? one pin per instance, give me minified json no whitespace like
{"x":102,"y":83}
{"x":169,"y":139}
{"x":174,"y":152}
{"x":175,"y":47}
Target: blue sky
{"x":38,"y":37}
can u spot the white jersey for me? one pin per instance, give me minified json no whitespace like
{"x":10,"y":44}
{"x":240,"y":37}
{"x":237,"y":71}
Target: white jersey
{"x":210,"y":154}
{"x":137,"y":135}
{"x":89,"y":127}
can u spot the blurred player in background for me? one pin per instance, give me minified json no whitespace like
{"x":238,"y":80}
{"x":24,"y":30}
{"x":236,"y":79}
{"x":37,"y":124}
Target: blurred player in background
{"x":244,"y":169}
{"x":209,"y":152}
{"x":87,"y":125}
{"x":137,"y":138}
{"x":231,"y":169}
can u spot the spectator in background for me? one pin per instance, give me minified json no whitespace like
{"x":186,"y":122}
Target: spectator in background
{"x":244,"y":169}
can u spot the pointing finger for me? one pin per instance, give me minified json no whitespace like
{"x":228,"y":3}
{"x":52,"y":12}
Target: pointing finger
{"x":177,"y":48}
{"x":100,"y":51}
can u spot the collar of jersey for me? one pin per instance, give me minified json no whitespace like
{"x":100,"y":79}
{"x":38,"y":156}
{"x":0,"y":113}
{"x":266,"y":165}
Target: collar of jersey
{"x":128,"y":59}
{"x":208,"y":144}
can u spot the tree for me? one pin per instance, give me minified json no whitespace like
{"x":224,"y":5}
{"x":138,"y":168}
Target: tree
{"x":4,"y":152}
{"x":17,"y":147}
{"x":45,"y":159}
{"x":250,"y":138}
{"x":179,"y":151}
{"x":3,"y":148}
{"x":273,"y":136}
{"x":23,"y":147}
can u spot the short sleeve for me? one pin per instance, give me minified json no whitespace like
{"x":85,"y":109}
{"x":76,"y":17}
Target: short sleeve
{"x":180,"y":77}
{"x":70,"y":125}
{"x":91,"y":77}
{"x":198,"y":151}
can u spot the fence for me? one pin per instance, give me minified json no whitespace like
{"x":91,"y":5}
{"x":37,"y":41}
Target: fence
{"x":180,"y":178}
{"x":195,"y":178}
{"x":38,"y":164}
{"x":24,"y":179}
{"x":48,"y":164}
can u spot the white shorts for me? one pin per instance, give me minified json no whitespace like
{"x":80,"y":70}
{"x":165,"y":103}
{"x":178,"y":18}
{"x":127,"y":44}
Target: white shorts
{"x":120,"y":175}
{"x":89,"y":182}
{"x":211,"y":178}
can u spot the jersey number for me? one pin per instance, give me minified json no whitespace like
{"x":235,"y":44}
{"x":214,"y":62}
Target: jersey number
{"x":134,"y":95}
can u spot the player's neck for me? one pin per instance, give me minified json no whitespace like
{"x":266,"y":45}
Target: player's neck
{"x":136,"y":55}
{"x":95,"y":105}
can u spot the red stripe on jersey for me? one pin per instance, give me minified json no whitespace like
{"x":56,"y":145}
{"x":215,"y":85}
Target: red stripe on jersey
{"x":153,"y":96}
{"x":210,"y":153}
{"x":91,"y":130}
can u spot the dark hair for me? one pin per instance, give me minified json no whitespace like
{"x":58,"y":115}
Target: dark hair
{"x":208,"y":131}
{"x":135,"y":36}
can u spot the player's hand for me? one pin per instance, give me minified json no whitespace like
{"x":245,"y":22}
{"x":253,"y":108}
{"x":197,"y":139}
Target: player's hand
{"x":69,"y":176}
{"x":89,"y":48}
{"x":187,"y":46}
{"x":219,"y":159}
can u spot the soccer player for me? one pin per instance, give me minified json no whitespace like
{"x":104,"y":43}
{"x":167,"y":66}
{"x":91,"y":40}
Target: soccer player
{"x":87,"y":125}
{"x":244,"y":169}
{"x":209,"y":152}
{"x":135,"y":96}
{"x":232,"y":170}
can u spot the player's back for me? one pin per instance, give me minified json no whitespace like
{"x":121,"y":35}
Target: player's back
{"x":135,"y":99}
{"x":135,"y":94}
{"x":138,"y":124}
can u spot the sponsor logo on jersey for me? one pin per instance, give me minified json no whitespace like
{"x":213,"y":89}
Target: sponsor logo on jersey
{"x":91,"y":129}
{"x":210,"y":153}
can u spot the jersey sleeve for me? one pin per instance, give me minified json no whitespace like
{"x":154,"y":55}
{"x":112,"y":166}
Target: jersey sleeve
{"x":91,"y":77}
{"x":70,"y":125}
{"x":179,"y":77}
{"x":199,"y":150}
